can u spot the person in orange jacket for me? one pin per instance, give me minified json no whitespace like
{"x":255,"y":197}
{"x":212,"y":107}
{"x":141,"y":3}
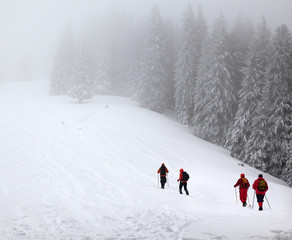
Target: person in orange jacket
{"x":183,"y":179}
{"x":261,"y":187}
{"x":163,"y":171}
{"x":243,"y":184}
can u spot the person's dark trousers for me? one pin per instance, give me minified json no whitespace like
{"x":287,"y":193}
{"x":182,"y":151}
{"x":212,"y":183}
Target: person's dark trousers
{"x":260,"y":199}
{"x":183,"y":184}
{"x":163,"y":181}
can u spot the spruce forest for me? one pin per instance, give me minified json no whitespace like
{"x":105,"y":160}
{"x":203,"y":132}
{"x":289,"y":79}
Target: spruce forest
{"x":230,"y":83}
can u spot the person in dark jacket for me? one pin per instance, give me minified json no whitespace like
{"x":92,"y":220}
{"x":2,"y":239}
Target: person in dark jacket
{"x":163,"y":172}
{"x":183,"y":182}
{"x":243,"y":184}
{"x":261,"y":187}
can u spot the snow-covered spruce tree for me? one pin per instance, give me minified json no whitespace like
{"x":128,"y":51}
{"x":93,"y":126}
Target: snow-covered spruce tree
{"x":61,"y":76}
{"x":213,"y":119}
{"x":256,"y":144}
{"x":151,"y":90}
{"x":287,"y":172}
{"x":278,"y":100}
{"x":186,"y":66}
{"x":202,"y":87}
{"x":193,"y":34}
{"x":83,"y":77}
{"x":251,"y":93}
{"x":240,"y":38}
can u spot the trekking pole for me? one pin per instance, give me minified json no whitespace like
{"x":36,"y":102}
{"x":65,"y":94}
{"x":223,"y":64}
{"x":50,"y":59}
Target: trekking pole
{"x":236,"y":196}
{"x":268,"y":202}
{"x":167,"y":180}
{"x":157,"y":179}
{"x":253,"y":200}
{"x":248,"y":201}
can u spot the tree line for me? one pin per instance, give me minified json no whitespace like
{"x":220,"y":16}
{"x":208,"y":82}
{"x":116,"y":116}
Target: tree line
{"x":231,"y":85}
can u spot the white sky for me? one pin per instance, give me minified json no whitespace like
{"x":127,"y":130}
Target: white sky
{"x":29,"y":29}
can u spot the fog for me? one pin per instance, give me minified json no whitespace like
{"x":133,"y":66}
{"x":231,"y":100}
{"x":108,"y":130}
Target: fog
{"x":30,"y":29}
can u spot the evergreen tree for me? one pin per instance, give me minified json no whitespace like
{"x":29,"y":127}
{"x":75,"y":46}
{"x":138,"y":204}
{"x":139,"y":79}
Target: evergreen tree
{"x":256,"y":145}
{"x":201,"y":89}
{"x":61,"y":77}
{"x":186,"y":69}
{"x":287,"y":173}
{"x":251,"y":93}
{"x":83,"y":77}
{"x":214,"y":118}
{"x":278,"y":100}
{"x":151,"y":90}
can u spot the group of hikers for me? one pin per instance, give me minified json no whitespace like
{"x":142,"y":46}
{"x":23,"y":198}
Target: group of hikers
{"x":183,"y":178}
{"x":260,"y":185}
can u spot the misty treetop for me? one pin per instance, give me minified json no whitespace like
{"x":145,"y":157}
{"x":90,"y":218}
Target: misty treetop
{"x":248,"y":119}
{"x":232,"y":84}
{"x":187,"y":67}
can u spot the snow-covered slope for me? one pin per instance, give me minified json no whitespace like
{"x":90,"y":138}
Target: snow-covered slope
{"x":88,"y":171}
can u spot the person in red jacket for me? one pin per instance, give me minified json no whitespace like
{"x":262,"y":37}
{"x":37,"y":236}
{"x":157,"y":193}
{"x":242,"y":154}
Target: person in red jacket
{"x":261,"y":187}
{"x":163,"y":172}
{"x":183,"y":178}
{"x":243,"y":184}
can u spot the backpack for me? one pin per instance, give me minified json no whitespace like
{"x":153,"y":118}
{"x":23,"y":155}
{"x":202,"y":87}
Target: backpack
{"x":262,"y":185}
{"x":244,"y":183}
{"x":185,"y":176}
{"x":163,"y":170}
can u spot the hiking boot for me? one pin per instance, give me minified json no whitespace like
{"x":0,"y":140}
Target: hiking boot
{"x":260,"y":208}
{"x":244,"y":204}
{"x":180,"y":192}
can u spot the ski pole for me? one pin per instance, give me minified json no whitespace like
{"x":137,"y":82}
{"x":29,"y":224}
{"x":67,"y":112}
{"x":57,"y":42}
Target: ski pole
{"x":167,"y":180}
{"x":236,"y":196}
{"x":268,"y":202}
{"x":253,"y":200}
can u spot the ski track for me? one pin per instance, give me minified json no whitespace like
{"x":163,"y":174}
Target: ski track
{"x":68,"y":195}
{"x":52,"y":222}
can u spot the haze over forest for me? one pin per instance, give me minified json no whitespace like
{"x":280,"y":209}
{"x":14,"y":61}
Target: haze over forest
{"x":31,"y":29}
{"x":221,"y":68}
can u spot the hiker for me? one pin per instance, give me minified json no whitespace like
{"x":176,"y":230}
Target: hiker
{"x":243,"y":184}
{"x":163,"y":171}
{"x":260,"y":186}
{"x":183,"y":178}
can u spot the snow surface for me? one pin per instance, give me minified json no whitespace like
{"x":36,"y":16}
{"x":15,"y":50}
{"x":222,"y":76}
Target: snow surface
{"x":89,"y":171}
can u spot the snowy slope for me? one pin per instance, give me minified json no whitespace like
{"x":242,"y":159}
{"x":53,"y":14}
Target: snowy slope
{"x":88,"y":171}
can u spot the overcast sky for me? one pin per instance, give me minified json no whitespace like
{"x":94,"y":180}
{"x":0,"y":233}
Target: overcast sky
{"x":29,"y":29}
